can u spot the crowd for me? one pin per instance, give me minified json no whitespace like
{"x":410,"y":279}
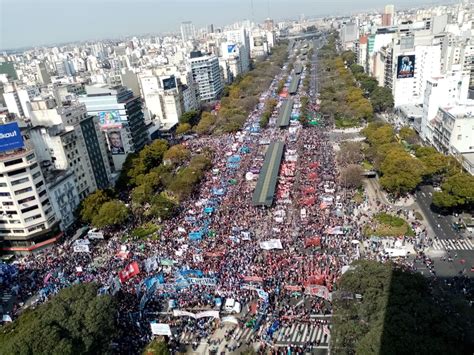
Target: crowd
{"x":212,"y":250}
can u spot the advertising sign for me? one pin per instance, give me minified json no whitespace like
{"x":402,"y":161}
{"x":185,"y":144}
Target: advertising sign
{"x":169,"y":83}
{"x":231,"y":48}
{"x":405,"y":66}
{"x":258,"y":41}
{"x":109,"y":119}
{"x":115,"y":141}
{"x":10,"y":137}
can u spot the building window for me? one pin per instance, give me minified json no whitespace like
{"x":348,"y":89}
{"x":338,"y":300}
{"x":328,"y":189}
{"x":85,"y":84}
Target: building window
{"x":3,"y":184}
{"x":29,"y":219}
{"x":22,"y":191}
{"x":13,"y":162}
{"x":7,"y":203}
{"x":25,"y":200}
{"x":18,"y":231}
{"x":4,"y":194}
{"x":35,"y":175}
{"x":33,"y":166}
{"x":38,"y":185}
{"x":28,"y":209}
{"x":16,"y":172}
{"x":20,"y":181}
{"x":30,"y":157}
{"x":42,"y":193}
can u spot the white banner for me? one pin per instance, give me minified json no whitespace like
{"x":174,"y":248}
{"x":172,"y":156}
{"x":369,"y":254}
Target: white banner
{"x":271,"y":244}
{"x":151,"y":264}
{"x":178,"y":313}
{"x":160,"y":329}
{"x":203,"y":281}
{"x":95,"y":235}
{"x":230,"y":319}
{"x":262,"y":294}
{"x":82,"y":242}
{"x":81,"y":248}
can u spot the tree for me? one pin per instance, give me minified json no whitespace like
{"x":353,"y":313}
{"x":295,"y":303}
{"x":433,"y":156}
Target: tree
{"x":91,"y":205}
{"x":177,"y":154}
{"x":457,"y":190}
{"x":111,"y":213}
{"x":157,"y":347}
{"x":357,"y":69}
{"x":368,"y":84}
{"x":190,"y":117}
{"x":205,"y":124}
{"x":408,"y":134}
{"x":401,"y":172}
{"x":382,"y":99}
{"x":351,"y":176}
{"x":162,"y":207}
{"x":152,"y":154}
{"x":183,"y":128}
{"x":349,"y":57}
{"x":376,"y":323}
{"x":142,"y":194}
{"x":75,"y":321}
{"x":378,"y":134}
{"x":442,"y":199}
{"x":350,"y":153}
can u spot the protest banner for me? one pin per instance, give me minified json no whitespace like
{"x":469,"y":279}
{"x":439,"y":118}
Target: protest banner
{"x":317,"y":290}
{"x":81,"y":248}
{"x":271,"y":244}
{"x":160,"y":329}
{"x":253,"y":279}
{"x":130,"y":271}
{"x":204,"y":281}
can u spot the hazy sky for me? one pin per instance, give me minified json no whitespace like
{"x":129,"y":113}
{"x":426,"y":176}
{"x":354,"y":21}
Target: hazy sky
{"x":37,"y":22}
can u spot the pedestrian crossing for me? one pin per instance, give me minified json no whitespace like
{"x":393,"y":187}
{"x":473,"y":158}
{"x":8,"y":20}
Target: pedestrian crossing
{"x":453,"y":244}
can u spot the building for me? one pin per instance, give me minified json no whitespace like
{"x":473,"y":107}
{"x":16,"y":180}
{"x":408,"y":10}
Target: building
{"x":27,"y":218}
{"x":349,"y":33}
{"x":187,"y":31}
{"x":388,"y":14}
{"x":207,"y":76}
{"x":43,"y":75}
{"x":120,"y":117}
{"x":66,"y":138}
{"x":241,"y":37}
{"x":17,"y":100}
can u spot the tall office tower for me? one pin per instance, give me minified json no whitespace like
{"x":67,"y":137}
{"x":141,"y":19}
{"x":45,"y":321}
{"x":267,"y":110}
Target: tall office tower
{"x":43,"y":75}
{"x":69,"y":139}
{"x":187,"y":31}
{"x":120,"y":118}
{"x":210,"y":28}
{"x":269,"y":24}
{"x":388,"y":14}
{"x":206,"y":74}
{"x":241,"y":36}
{"x":16,"y":100}
{"x":27,"y":219}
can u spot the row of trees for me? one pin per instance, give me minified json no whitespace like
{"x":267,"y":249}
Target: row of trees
{"x":402,"y":170}
{"x":75,"y":321}
{"x":267,"y":113}
{"x":397,"y":313}
{"x":159,"y":177}
{"x":340,"y":95}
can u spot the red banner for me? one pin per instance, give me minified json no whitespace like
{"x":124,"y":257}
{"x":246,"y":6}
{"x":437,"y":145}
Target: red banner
{"x":314,"y":280}
{"x":317,"y":290}
{"x":312,"y":242}
{"x":130,"y":271}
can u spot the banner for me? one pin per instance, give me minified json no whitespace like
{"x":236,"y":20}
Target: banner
{"x":312,"y":242}
{"x":82,"y":242}
{"x":405,"y":66}
{"x":150,"y":281}
{"x":151,"y":264}
{"x":317,"y":290}
{"x":179,"y":313}
{"x":160,"y":329}
{"x":95,"y":235}
{"x":10,"y":137}
{"x":129,"y":272}
{"x":271,"y":244}
{"x":293,"y":288}
{"x":204,"y":281}
{"x":230,"y":319}
{"x":315,"y":280}
{"x":81,"y":248}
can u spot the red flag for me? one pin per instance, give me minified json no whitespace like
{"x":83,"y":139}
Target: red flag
{"x":309,"y":242}
{"x":130,"y":271}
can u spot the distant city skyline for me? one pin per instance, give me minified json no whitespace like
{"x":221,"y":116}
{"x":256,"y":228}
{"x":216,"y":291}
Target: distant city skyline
{"x":28,"y":23}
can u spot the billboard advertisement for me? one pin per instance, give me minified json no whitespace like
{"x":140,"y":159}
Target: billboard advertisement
{"x":10,"y":137}
{"x":258,"y":41}
{"x":405,"y":66}
{"x":109,"y":119}
{"x":114,"y":138}
{"x":231,"y":48}
{"x":169,"y":83}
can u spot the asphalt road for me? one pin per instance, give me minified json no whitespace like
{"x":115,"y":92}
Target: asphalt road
{"x":441,"y":225}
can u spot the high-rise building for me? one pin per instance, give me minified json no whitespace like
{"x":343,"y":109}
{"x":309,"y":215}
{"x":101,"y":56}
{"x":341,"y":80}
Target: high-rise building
{"x":43,"y":75}
{"x":206,"y":74}
{"x":27,"y":219}
{"x":120,"y":118}
{"x":210,"y":28}
{"x":388,"y":14}
{"x":241,"y":37}
{"x":69,"y":139}
{"x":17,"y":99}
{"x":187,"y":31}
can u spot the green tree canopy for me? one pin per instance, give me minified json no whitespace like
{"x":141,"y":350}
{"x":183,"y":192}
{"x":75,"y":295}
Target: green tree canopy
{"x":152,"y":154}
{"x":183,"y":128}
{"x":177,"y":154}
{"x":458,"y":190}
{"x":162,"y":207}
{"x":401,"y":172}
{"x":356,"y":69}
{"x":190,"y":117}
{"x":381,"y":99}
{"x":91,"y":205}
{"x":111,"y":213}
{"x":75,"y":321}
{"x":157,"y":347}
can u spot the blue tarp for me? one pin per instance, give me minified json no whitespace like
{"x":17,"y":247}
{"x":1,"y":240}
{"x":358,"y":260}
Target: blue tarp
{"x":234,"y":159}
{"x":195,"y":235}
{"x":208,"y":210}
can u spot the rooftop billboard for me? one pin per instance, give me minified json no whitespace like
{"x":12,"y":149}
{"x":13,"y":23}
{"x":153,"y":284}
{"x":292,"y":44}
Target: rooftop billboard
{"x":10,"y":137}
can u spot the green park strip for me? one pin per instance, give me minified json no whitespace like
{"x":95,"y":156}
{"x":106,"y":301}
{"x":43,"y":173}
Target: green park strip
{"x":285,"y":113}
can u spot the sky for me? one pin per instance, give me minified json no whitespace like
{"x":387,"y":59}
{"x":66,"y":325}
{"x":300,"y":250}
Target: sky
{"x":40,"y":22}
